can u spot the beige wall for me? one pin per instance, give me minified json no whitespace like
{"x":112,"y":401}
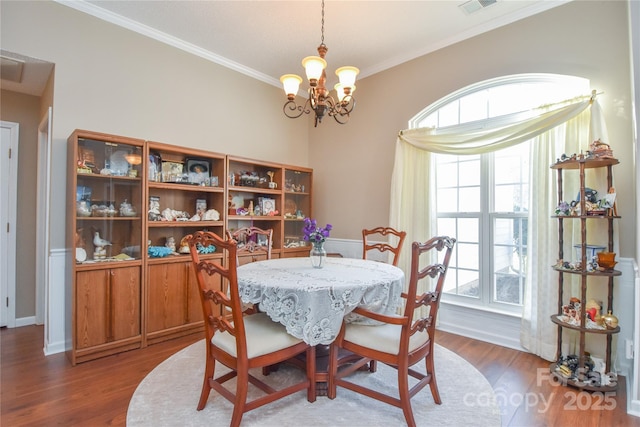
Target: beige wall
{"x":111,"y":80}
{"x":353,"y":163}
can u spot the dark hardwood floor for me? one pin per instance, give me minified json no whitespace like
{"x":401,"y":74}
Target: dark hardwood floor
{"x":47,"y":391}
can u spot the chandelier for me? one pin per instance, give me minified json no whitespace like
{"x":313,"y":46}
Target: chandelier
{"x":320,"y":99}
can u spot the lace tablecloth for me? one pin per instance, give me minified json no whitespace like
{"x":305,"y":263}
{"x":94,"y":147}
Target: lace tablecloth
{"x":312,"y":302}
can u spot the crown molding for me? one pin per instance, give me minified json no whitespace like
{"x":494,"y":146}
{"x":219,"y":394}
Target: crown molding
{"x":145,"y":30}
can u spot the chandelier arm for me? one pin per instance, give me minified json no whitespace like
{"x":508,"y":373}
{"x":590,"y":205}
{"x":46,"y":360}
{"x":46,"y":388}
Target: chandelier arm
{"x":341,"y":118}
{"x":348,"y":104}
{"x":293,"y":110}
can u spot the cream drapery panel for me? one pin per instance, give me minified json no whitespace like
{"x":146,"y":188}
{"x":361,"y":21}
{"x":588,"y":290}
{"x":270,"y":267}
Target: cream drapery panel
{"x":413,"y":206}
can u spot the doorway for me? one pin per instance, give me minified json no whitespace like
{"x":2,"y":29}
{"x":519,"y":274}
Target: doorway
{"x":8,"y":202}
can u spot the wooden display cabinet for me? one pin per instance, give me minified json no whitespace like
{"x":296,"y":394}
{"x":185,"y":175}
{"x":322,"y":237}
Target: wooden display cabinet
{"x":254,"y":198}
{"x":104,"y":235}
{"x":188,"y":187}
{"x":107,"y":311}
{"x":140,"y":196}
{"x":173,"y":306}
{"x":583,"y":378}
{"x":297,"y":207}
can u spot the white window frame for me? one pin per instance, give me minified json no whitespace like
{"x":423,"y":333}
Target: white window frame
{"x":575,"y":85}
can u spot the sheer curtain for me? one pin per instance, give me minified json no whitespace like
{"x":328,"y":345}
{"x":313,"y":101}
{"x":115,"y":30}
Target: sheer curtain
{"x":554,"y":130}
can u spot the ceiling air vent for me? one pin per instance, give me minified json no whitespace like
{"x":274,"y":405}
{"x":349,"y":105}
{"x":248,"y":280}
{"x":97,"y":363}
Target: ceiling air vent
{"x":475,"y":5}
{"x":11,"y":69}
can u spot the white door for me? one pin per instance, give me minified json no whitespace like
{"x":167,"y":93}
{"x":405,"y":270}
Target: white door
{"x":8,"y":203}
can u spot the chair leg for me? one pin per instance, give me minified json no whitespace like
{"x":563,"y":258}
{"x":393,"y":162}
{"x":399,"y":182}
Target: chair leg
{"x":311,"y":373}
{"x":209,"y":371}
{"x":405,"y":397}
{"x":433,"y":384}
{"x":333,"y":371}
{"x":242,"y":388}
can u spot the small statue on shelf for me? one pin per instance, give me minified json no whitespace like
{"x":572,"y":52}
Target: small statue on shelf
{"x":99,"y":243}
{"x":600,"y":150}
{"x":171,"y":244}
{"x":154,"y":209}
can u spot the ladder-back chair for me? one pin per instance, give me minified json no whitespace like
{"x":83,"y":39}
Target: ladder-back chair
{"x":240,"y":342}
{"x":401,"y":341}
{"x":384,"y":232}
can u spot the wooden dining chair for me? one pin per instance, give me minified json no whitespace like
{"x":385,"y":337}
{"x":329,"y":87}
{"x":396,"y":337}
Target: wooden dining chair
{"x":401,"y":341}
{"x":240,"y":342}
{"x":368,"y":236}
{"x":253,"y":241}
{"x":372,"y":241}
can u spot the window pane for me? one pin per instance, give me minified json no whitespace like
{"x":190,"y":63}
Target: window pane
{"x":462,"y":282}
{"x":508,"y":288}
{"x":468,"y":256}
{"x":474,"y":107}
{"x":447,"y":227}
{"x":430,"y":121}
{"x":503,"y":232}
{"x":468,"y":283}
{"x":447,"y":175}
{"x":505,"y":197}
{"x":470,"y":199}
{"x":512,"y":164}
{"x":448,"y":115}
{"x":522,"y":204}
{"x":509,"y":260}
{"x":468,"y":230}
{"x":470,"y":172}
{"x":447,"y":200}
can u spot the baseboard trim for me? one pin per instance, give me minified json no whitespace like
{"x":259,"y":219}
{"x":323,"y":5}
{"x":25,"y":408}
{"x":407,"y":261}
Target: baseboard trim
{"x":465,"y":321}
{"x":25,"y":321}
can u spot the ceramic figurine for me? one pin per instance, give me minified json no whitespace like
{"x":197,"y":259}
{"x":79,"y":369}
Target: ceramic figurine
{"x":99,"y":242}
{"x":171,"y":243}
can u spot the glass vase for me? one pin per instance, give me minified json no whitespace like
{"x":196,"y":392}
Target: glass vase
{"x":317,"y":255}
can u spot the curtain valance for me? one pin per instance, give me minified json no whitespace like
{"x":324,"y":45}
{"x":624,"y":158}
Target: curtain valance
{"x":458,"y":140}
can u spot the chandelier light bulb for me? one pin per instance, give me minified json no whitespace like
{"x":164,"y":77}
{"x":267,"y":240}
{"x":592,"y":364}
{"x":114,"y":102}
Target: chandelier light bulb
{"x":314,"y":65}
{"x":342,"y":91}
{"x":291,"y":84}
{"x":347,"y":75}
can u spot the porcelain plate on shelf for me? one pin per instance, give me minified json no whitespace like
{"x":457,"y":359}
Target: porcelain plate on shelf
{"x":81,"y":255}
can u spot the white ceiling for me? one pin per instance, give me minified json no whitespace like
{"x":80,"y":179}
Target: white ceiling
{"x":265,"y":39}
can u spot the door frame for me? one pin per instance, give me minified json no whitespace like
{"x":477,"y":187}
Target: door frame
{"x":8,"y":214}
{"x":43,"y":200}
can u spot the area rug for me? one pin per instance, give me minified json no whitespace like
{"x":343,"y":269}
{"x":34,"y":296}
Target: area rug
{"x":169,"y":394}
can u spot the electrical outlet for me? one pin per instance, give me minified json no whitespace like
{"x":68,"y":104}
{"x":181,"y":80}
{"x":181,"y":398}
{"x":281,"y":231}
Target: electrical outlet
{"x":628,"y":349}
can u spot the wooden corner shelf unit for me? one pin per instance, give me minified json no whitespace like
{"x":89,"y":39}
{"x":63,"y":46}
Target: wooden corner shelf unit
{"x":582,"y":378}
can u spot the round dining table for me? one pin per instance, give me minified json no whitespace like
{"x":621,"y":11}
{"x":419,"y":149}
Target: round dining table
{"x":313,"y":302}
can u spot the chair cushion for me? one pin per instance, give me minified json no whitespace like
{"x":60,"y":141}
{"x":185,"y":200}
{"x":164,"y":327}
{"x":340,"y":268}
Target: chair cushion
{"x":263,"y":336}
{"x":385,"y":338}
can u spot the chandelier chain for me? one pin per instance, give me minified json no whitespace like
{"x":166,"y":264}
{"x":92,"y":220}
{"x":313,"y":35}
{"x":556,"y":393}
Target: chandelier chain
{"x":322,"y":26}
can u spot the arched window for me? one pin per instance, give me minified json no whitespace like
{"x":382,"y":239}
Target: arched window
{"x":483,"y":199}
